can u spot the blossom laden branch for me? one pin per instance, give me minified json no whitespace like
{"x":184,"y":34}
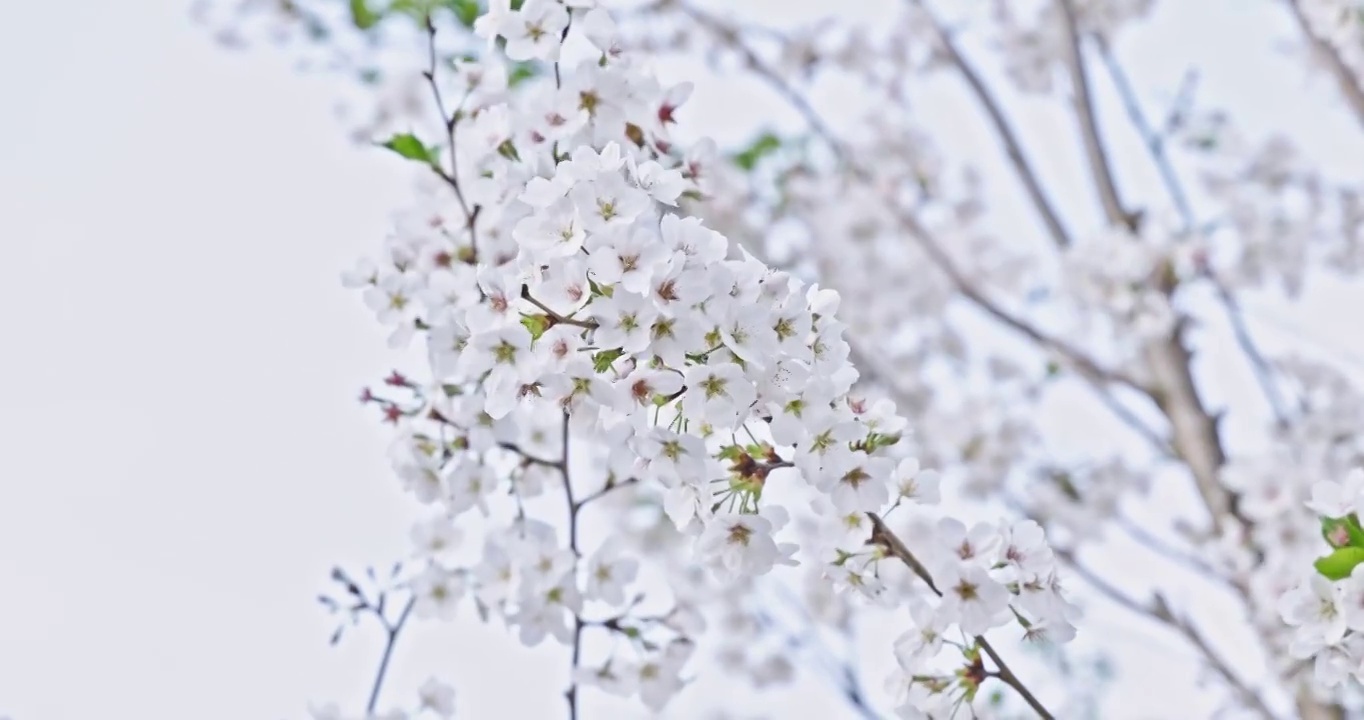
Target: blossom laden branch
{"x":882,"y":535}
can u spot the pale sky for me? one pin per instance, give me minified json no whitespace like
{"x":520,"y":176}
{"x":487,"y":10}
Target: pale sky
{"x":183,"y":458}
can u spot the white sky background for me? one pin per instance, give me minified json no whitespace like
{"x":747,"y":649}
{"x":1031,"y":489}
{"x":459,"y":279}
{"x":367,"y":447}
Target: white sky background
{"x":181,"y":455}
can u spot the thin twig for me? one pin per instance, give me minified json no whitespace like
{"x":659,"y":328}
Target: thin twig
{"x":606,"y":489}
{"x":1003,"y":128}
{"x":393,"y":630}
{"x":527,"y":457}
{"x":571,"y":694}
{"x":1264,"y":372}
{"x":1346,"y":79}
{"x":770,"y":75}
{"x":1159,"y":611}
{"x":555,"y":317}
{"x":1153,"y":139}
{"x":886,"y":538}
{"x":450,"y":121}
{"x":1158,"y":546}
{"x":1106,"y":396}
{"x":1082,"y":361}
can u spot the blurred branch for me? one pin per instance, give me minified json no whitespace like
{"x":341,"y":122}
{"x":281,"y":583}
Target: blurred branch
{"x":1346,"y":79}
{"x":1155,"y":146}
{"x":1083,"y":363}
{"x":1264,"y":373}
{"x":1003,"y":128}
{"x":1100,"y":167}
{"x":355,"y":602}
{"x":1158,"y":546}
{"x":1194,"y":429}
{"x":1159,"y":610}
{"x":843,"y":671}
{"x":730,"y":36}
{"x":1154,"y":139}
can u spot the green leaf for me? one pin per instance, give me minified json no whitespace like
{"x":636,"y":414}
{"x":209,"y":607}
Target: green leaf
{"x":522,"y":72}
{"x":1339,"y":564}
{"x":598,"y":290}
{"x":536,"y":324}
{"x":762,"y":146}
{"x":408,"y":146}
{"x":467,"y":11}
{"x":508,"y":150}
{"x":363,"y":16}
{"x":601,"y":361}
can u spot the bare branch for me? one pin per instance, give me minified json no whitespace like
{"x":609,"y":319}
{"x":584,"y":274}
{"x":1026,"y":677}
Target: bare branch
{"x":1099,"y":165}
{"x":1346,"y":79}
{"x":730,"y":35}
{"x":1146,"y":539}
{"x":1154,"y":139}
{"x":1264,"y":373}
{"x":1086,"y":365}
{"x":1159,"y":610}
{"x":1003,"y":128}
{"x":393,"y":629}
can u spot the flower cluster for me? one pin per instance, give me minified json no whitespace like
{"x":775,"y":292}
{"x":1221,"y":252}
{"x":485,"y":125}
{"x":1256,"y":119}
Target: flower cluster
{"x":988,"y":575}
{"x":1326,"y":610}
{"x":566,"y":301}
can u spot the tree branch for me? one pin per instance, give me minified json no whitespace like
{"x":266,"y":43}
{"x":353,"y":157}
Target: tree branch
{"x":1194,"y":429}
{"x":1346,"y":79}
{"x":571,"y":694}
{"x":393,"y":630}
{"x":1086,"y":365}
{"x":1100,"y":167}
{"x":1264,"y":373}
{"x":730,"y":35}
{"x":450,"y":121}
{"x":1154,"y":139}
{"x":1003,"y":128}
{"x":1159,"y":610}
{"x":1155,"y":146}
